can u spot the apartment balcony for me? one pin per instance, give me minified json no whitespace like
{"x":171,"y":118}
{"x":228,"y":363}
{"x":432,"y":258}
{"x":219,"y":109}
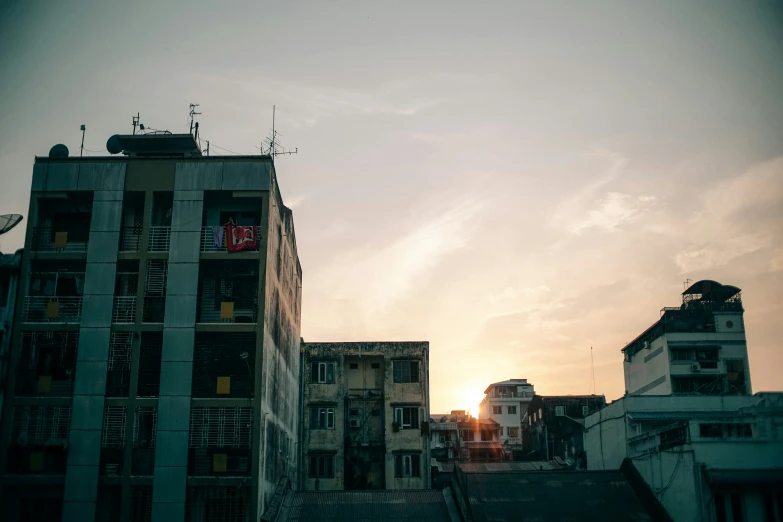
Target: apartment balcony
{"x":47,"y":239}
{"x":154,"y":308}
{"x":221,"y":462}
{"x":159,"y":239}
{"x":209,"y":244}
{"x":130,"y":239}
{"x":237,"y":311}
{"x":124,"y":310}
{"x":52,"y":309}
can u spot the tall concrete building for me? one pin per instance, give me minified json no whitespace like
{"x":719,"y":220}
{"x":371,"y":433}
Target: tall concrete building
{"x":155,"y":365}
{"x":506,"y":403}
{"x":365,"y":409}
{"x":698,"y":347}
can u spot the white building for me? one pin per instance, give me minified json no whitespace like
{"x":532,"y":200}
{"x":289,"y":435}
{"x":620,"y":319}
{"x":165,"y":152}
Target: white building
{"x":506,"y":403}
{"x":696,"y":348}
{"x":706,"y":458}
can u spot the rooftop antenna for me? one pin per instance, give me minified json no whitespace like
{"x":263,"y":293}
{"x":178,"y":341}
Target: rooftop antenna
{"x":192,"y":114}
{"x":273,"y":145}
{"x":83,"y":128}
{"x":135,"y":122}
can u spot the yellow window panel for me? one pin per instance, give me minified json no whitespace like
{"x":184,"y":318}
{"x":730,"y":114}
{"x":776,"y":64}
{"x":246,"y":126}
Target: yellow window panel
{"x":219,"y":462}
{"x":36,"y":461}
{"x":226,"y":310}
{"x":44,"y":384}
{"x":223,"y":385}
{"x":60,"y":239}
{"x":52,"y":310}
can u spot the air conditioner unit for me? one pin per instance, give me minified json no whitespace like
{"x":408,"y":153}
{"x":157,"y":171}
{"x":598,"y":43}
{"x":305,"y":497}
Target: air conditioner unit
{"x":354,"y":423}
{"x":695,"y":367}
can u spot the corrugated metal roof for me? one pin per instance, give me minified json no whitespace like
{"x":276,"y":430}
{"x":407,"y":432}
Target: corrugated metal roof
{"x":490,"y":467}
{"x":557,"y":495}
{"x":415,"y":506}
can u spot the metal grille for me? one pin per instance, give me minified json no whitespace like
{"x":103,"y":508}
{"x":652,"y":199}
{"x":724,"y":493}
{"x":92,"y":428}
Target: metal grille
{"x":145,"y":427}
{"x":130,"y":239}
{"x":229,"y":355}
{"x":124,"y":310}
{"x":34,"y":425}
{"x":233,"y":282}
{"x":118,"y":378}
{"x":38,"y":310}
{"x":47,"y":364}
{"x":215,"y":427}
{"x":113,"y":435}
{"x":141,"y":503}
{"x":217,"y":504}
{"x":43,"y":241}
{"x":149,"y":364}
{"x":159,"y":239}
{"x":157,"y":274}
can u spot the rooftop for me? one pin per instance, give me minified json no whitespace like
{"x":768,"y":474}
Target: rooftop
{"x":509,"y":382}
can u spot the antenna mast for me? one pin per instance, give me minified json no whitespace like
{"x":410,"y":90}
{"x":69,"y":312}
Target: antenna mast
{"x":135,"y":122}
{"x":81,"y":150}
{"x":273,"y":146}
{"x":192,"y":114}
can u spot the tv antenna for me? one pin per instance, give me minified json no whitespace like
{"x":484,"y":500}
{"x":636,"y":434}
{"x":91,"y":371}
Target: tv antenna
{"x":271,"y":144}
{"x":83,"y":128}
{"x":192,"y":114}
{"x":136,"y":123}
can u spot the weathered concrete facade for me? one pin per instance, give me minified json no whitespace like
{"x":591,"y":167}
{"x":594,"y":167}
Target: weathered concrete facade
{"x":365,"y":416}
{"x":152,"y":370}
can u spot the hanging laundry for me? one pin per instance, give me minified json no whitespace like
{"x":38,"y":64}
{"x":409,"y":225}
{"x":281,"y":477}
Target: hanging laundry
{"x":240,"y":238}
{"x":217,"y":235}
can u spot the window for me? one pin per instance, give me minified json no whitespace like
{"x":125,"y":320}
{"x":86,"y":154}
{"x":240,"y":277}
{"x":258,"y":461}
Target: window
{"x":486,"y":436}
{"x":497,"y":410}
{"x":585,"y":411}
{"x":513,"y":432}
{"x":467,"y":435}
{"x":376,"y":366}
{"x":407,"y":466}
{"x":321,"y":418}
{"x":512,"y":410}
{"x":559,"y":411}
{"x":354,"y":366}
{"x":322,"y":373}
{"x":406,"y":371}
{"x":321,"y":466}
{"x":407,"y":418}
{"x":673,"y":437}
{"x":726,"y":430}
{"x":710,"y":430}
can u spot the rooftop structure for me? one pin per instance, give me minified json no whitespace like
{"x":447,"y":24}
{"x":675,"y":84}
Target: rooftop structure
{"x":696,"y":348}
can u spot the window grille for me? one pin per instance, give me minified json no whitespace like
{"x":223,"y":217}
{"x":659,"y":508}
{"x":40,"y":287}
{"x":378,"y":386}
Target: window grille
{"x":407,"y":466}
{"x":217,"y":504}
{"x":322,"y":372}
{"x":155,"y":290}
{"x":145,"y":426}
{"x":223,"y":364}
{"x":118,"y":378}
{"x":141,"y":503}
{"x":407,"y":418}
{"x":321,"y":418}
{"x":218,"y":427}
{"x":47,"y":364}
{"x":150,"y":352}
{"x":113,"y":435}
{"x":234,"y":282}
{"x":33,"y":425}
{"x":321,"y":466}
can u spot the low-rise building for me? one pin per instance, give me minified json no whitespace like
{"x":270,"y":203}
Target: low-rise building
{"x":480,"y":441}
{"x":506,"y":402}
{"x":444,"y":434}
{"x":555,"y":424}
{"x":365,"y":415}
{"x":704,"y":457}
{"x":697,"y":347}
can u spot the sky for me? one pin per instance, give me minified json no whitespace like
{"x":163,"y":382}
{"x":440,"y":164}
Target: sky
{"x":514,"y":182}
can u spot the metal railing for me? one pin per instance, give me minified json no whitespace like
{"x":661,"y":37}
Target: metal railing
{"x":130,"y":239}
{"x":208,"y":243}
{"x":234,"y":462}
{"x":30,"y":383}
{"x":154,"y":308}
{"x":124,"y":310}
{"x":244,"y":311}
{"x":159,"y":240}
{"x":44,"y":241}
{"x":50,"y":309}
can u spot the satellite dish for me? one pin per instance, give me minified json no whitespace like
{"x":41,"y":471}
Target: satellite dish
{"x":9,"y":221}
{"x":58,"y":151}
{"x":113,"y":145}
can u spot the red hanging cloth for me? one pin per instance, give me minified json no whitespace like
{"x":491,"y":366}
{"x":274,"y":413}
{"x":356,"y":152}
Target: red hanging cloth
{"x":240,"y":238}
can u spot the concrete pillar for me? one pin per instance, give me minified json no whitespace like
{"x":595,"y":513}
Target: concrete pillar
{"x":176,"y":369}
{"x":84,"y":451}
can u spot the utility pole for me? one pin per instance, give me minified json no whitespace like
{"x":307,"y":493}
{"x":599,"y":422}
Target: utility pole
{"x":81,"y":150}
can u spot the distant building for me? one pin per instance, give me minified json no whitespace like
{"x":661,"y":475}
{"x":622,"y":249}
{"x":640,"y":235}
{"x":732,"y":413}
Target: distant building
{"x":506,"y":402}
{"x":9,"y":280}
{"x":555,"y":426}
{"x":480,"y":441}
{"x":365,"y":409}
{"x":711,"y":458}
{"x":444,"y":434}
{"x":698,"y":347}
{"x":155,"y":361}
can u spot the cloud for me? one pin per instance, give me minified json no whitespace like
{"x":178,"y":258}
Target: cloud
{"x":296,"y":201}
{"x":615,"y":210}
{"x":715,"y":254}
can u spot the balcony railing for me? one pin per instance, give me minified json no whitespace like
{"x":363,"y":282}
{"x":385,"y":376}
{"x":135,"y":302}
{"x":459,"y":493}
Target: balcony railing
{"x":206,"y":462}
{"x":154,"y":308}
{"x":241,"y":311}
{"x":47,"y":239}
{"x":48,"y":309}
{"x":159,"y":239}
{"x":130,"y":239}
{"x":208,"y":243}
{"x":124,"y":310}
{"x":30,"y":383}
